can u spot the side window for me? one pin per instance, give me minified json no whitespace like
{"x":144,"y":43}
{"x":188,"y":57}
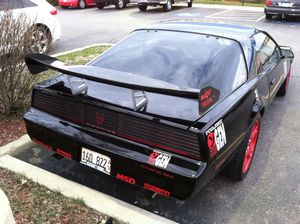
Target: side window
{"x":3,"y":5}
{"x":27,"y":3}
{"x":14,"y":4}
{"x":267,"y":52}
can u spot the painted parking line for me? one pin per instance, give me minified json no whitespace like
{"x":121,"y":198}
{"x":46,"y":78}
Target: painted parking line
{"x":218,"y":13}
{"x":237,"y":15}
{"x":260,"y":18}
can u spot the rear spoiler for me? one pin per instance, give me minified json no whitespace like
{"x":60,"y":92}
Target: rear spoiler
{"x":38,"y":63}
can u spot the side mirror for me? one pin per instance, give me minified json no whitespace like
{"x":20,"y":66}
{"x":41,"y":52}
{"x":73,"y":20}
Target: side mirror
{"x":287,"y":53}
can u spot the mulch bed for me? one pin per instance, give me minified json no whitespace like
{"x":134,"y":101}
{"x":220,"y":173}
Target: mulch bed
{"x":11,"y":128}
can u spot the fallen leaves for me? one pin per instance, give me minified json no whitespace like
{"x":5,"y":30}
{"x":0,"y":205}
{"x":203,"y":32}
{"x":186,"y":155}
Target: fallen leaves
{"x":11,"y":128}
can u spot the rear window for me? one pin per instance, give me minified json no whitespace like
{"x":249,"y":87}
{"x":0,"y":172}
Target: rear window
{"x":27,"y":3}
{"x":184,"y":59}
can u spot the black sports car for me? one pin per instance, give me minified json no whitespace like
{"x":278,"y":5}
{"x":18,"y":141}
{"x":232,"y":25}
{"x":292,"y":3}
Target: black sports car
{"x":165,"y":109}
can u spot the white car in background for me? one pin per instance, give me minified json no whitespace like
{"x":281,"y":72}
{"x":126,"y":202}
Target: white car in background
{"x":43,"y":17}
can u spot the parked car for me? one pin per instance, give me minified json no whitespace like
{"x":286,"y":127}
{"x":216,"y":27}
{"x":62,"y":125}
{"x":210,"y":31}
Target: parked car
{"x":81,"y":4}
{"x":43,"y":17}
{"x":163,"y":113}
{"x":282,"y":8}
{"x":166,"y":4}
{"x":119,"y":4}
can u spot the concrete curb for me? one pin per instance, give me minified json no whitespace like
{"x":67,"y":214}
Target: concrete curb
{"x":231,"y":7}
{"x":101,"y":202}
{"x":81,"y":48}
{"x":6,"y":216}
{"x":16,"y":146}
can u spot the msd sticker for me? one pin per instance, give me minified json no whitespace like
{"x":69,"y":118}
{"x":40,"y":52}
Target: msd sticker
{"x":159,"y":159}
{"x":216,"y":137}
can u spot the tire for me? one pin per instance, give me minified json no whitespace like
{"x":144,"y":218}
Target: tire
{"x":39,"y":41}
{"x":240,"y":164}
{"x":284,"y":86}
{"x":190,"y":3}
{"x":65,"y":7}
{"x":268,"y":16}
{"x":120,"y":4}
{"x":100,"y":5}
{"x":143,"y":7}
{"x":81,"y":4}
{"x":168,"y":7}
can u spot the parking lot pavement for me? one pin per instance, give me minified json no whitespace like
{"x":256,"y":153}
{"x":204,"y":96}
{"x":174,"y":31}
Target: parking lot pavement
{"x":92,"y":26}
{"x":271,"y":191}
{"x":239,"y":15}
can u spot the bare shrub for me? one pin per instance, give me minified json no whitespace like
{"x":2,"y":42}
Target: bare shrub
{"x":16,"y":39}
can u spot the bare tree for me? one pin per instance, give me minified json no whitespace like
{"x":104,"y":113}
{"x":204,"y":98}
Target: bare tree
{"x":17,"y":38}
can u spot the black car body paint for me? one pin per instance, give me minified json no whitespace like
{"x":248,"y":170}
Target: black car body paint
{"x":172,"y":147}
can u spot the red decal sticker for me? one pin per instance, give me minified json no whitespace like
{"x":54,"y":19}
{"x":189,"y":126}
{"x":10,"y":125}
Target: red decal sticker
{"x":100,"y":119}
{"x":157,"y":190}
{"x":208,"y":96}
{"x":216,"y":137}
{"x":153,"y":157}
{"x":41,"y":144}
{"x":125,"y":178}
{"x":159,"y":159}
{"x":63,"y":153}
{"x":212,"y":144}
{"x":159,"y":172}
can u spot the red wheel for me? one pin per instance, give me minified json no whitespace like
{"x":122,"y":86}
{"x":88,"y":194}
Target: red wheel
{"x":239,"y":166}
{"x":251,"y":146}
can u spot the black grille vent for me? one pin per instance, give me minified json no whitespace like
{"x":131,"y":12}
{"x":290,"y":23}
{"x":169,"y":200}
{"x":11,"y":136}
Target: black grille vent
{"x":127,"y":126}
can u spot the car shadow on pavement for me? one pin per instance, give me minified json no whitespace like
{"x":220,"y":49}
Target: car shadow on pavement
{"x":159,"y":9}
{"x":290,"y":19}
{"x":113,"y":8}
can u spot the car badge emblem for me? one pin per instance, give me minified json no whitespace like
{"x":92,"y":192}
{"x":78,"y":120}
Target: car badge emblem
{"x":100,"y":119}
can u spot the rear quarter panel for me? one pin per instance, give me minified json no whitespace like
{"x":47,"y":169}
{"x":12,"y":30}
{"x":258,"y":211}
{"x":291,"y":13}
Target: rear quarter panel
{"x":236,"y":112}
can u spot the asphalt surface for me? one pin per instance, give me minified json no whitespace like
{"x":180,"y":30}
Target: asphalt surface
{"x":271,"y":191}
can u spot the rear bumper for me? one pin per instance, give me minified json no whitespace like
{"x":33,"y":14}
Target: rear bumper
{"x":282,"y":11}
{"x":152,"y":2}
{"x":128,"y":159}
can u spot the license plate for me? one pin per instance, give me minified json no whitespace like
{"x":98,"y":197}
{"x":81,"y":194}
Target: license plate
{"x":286,"y":4}
{"x":95,"y":160}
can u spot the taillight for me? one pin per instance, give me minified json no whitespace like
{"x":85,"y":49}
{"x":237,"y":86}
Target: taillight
{"x":268,"y":2}
{"x":53,"y":11}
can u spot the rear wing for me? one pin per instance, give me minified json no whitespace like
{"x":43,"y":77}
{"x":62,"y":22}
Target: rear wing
{"x":38,"y":63}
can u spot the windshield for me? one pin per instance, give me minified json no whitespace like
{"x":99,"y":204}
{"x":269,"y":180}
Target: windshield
{"x":186,"y":60}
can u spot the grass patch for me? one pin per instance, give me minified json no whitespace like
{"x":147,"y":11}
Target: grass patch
{"x":12,"y":127}
{"x":33,"y":203}
{"x":222,"y":2}
{"x":75,"y":58}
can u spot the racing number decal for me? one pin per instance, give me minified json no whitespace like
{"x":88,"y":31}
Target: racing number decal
{"x":159,"y":159}
{"x":216,"y":137}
